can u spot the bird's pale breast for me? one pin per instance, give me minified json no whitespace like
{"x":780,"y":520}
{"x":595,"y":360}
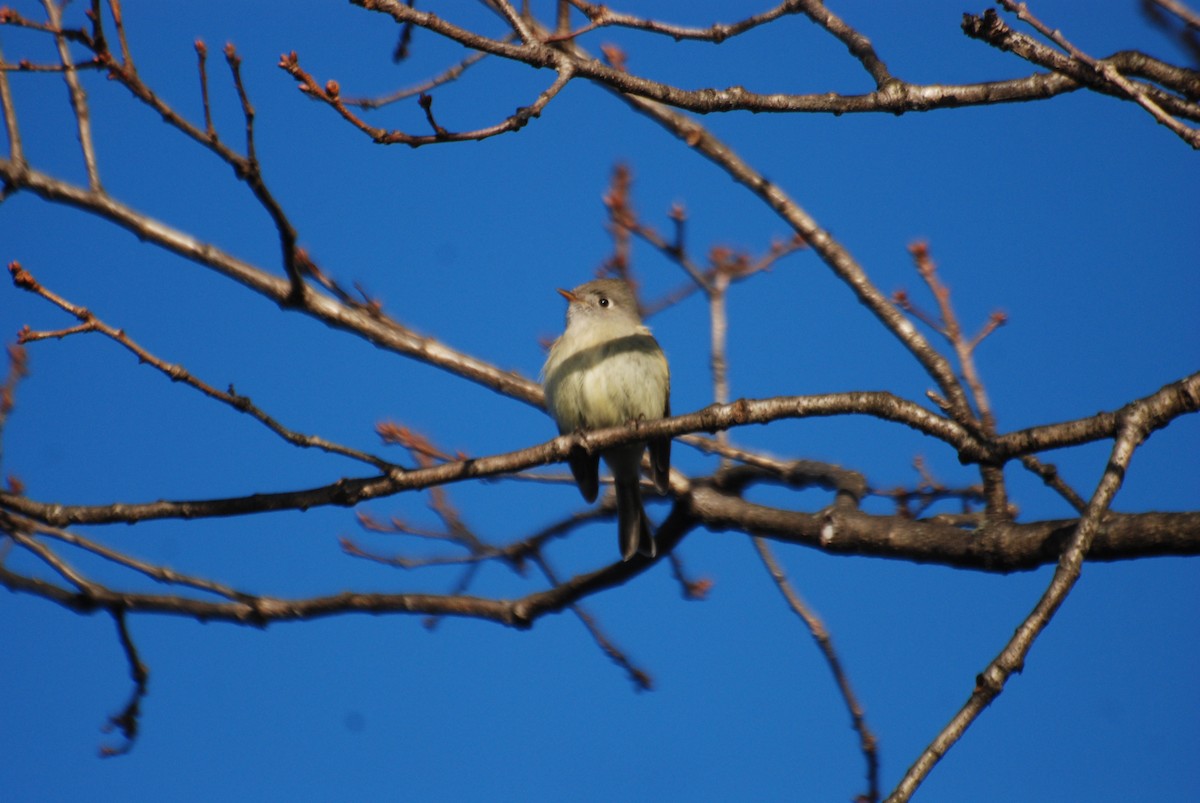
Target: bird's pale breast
{"x":608,"y":384}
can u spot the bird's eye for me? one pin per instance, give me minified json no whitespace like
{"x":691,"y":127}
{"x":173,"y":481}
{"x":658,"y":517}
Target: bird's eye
{"x":603,"y":301}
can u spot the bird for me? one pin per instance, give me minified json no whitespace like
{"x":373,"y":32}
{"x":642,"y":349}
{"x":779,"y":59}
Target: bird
{"x":606,"y":370}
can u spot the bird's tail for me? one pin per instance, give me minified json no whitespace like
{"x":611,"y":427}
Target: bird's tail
{"x":633,"y":527}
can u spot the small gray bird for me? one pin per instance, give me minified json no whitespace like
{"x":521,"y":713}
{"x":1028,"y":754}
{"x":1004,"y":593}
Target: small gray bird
{"x":607,"y":370}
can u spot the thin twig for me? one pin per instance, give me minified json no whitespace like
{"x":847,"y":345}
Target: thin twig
{"x":78,"y":96}
{"x":1189,"y":17}
{"x":426,"y":104}
{"x":1050,"y":476}
{"x":22,"y":536}
{"x":718,"y":324}
{"x":1187,"y":33}
{"x":600,"y":16}
{"x":405,"y":40}
{"x":114,"y":7}
{"x":514,"y":18}
{"x":964,"y":350}
{"x":330,"y":94}
{"x":246,"y":166}
{"x":866,"y":739}
{"x":451,"y":74}
{"x":235,"y":67}
{"x":161,"y":574}
{"x":619,"y":204}
{"x":1108,"y":72}
{"x":16,"y":151}
{"x":177,"y":373}
{"x":460,"y":587}
{"x":202,"y":67}
{"x":128,"y":720}
{"x":692,"y":589}
{"x":404,"y":562}
{"x":456,"y":531}
{"x":18,"y":369}
{"x":641,"y":678}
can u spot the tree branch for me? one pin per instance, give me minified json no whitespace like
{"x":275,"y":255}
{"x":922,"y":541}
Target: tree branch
{"x":1136,"y":425}
{"x":372,"y":326}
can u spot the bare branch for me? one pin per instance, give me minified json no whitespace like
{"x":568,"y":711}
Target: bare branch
{"x":893,"y":96}
{"x":177,"y":373}
{"x":1159,"y":410}
{"x":235,"y":67}
{"x":994,"y":546}
{"x":202,"y":63}
{"x":1189,"y":17}
{"x":966,"y":524}
{"x":114,"y":7}
{"x":79,"y":102}
{"x":1049,"y":475}
{"x":866,"y":739}
{"x":16,"y":152}
{"x":1136,"y":425}
{"x":128,"y":720}
{"x":641,"y":678}
{"x":1108,"y":73}
{"x":948,"y":326}
{"x":600,"y":16}
{"x":348,"y":492}
{"x":451,"y":74}
{"x":839,"y":260}
{"x":374,"y":327}
{"x":330,"y":94}
{"x":1097,"y":74}
{"x":22,"y":536}
{"x":1177,"y":21}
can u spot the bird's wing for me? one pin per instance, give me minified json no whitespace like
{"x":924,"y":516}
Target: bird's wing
{"x":586,"y":470}
{"x":660,"y":457}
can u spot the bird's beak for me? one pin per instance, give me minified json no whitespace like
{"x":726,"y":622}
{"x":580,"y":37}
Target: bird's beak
{"x":568,"y":295}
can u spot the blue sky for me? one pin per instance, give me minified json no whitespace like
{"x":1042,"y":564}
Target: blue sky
{"x":1075,"y":216}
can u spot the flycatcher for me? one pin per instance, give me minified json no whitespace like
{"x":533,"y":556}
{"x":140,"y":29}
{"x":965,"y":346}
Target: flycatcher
{"x":607,"y":370}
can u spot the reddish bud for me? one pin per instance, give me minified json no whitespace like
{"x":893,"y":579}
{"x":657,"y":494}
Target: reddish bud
{"x":614,"y":55}
{"x":21,"y":277}
{"x":19,"y":357}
